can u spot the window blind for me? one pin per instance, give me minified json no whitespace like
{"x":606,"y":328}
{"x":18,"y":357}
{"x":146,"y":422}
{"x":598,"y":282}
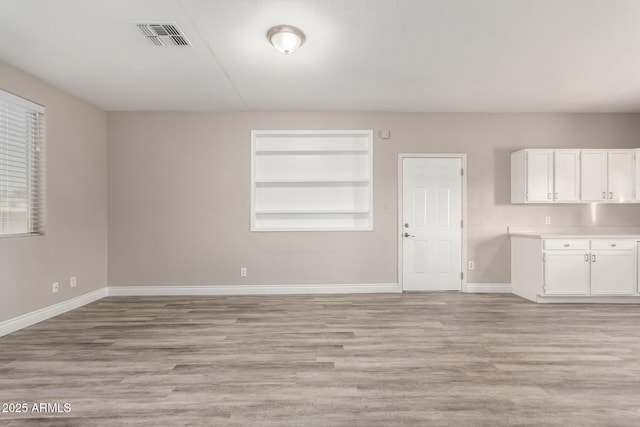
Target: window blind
{"x":22,"y":166}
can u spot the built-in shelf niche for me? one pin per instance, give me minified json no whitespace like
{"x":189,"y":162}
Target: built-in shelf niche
{"x":311,"y":180}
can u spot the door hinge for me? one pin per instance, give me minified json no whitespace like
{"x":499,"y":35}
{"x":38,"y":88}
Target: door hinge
{"x":461,"y":172}
{"x":461,"y":276}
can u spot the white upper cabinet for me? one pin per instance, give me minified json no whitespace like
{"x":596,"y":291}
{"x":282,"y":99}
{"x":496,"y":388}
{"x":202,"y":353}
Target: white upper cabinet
{"x":573,"y":176}
{"x":566,"y":175}
{"x":620,"y":175}
{"x":539,"y":168}
{"x":532,"y":176}
{"x":545,"y":176}
{"x":593,"y":176}
{"x":636,"y":192}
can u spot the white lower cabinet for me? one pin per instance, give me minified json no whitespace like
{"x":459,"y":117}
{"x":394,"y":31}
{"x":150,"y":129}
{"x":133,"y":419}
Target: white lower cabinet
{"x":566,"y":273}
{"x":589,"y":267}
{"x":613,"y":272}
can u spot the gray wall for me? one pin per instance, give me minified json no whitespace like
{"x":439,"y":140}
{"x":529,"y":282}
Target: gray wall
{"x":76,"y":240}
{"x":179,"y":194}
{"x":179,"y":197}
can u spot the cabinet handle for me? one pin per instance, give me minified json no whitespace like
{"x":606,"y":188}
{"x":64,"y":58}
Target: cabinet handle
{"x":610,"y":195}
{"x":586,"y":257}
{"x":549,"y":196}
{"x":604,"y":195}
{"x":593,"y":258}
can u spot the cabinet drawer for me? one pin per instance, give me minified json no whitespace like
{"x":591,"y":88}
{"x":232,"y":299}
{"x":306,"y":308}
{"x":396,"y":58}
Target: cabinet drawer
{"x":573,"y":244}
{"x":614,"y":244}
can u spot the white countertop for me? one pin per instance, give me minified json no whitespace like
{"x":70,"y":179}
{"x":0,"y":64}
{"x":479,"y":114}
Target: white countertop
{"x":576,"y":232}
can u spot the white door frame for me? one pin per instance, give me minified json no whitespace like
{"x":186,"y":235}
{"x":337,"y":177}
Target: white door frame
{"x":463,"y":157}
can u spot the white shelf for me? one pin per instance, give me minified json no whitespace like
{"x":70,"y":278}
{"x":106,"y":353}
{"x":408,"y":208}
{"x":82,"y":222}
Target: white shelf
{"x":324,"y":228}
{"x":285,"y":152}
{"x":312,"y":212}
{"x":311,"y":180}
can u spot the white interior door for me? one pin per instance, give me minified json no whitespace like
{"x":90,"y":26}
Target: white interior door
{"x":431,"y":224}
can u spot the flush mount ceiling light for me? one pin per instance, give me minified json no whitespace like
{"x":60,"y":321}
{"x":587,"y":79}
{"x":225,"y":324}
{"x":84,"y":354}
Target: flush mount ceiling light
{"x":285,"y":38}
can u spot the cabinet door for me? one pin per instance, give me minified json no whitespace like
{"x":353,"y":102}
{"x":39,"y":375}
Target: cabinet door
{"x":566,"y":175}
{"x":613,"y":272}
{"x":593,"y":175}
{"x":539,"y":176}
{"x":566,"y":273}
{"x":620,"y":176}
{"x":636,"y":191}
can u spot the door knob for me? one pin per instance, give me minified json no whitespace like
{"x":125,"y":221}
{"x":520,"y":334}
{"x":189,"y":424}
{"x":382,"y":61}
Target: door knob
{"x":408,"y":235}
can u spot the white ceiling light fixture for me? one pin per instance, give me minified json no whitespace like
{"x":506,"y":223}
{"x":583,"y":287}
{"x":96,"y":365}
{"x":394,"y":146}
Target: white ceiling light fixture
{"x":285,"y":38}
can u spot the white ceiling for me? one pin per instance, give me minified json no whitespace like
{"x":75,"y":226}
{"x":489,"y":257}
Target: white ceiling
{"x":360,"y":55}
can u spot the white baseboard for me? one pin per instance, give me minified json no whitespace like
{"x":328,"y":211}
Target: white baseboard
{"x":26,"y":320}
{"x":34,"y":317}
{"x":367,"y":288}
{"x":634,"y":299}
{"x":489,"y":288}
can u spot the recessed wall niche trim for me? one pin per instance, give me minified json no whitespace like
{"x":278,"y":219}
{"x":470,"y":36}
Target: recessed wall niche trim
{"x":311,"y":180}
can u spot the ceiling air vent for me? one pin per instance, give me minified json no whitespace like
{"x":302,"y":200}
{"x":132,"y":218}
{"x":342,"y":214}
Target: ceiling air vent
{"x":167,"y":34}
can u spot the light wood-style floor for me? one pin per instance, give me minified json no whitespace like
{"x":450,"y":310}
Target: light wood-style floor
{"x":439,"y":359}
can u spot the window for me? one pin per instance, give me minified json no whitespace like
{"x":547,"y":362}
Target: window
{"x":21,"y":166}
{"x":312,"y":180}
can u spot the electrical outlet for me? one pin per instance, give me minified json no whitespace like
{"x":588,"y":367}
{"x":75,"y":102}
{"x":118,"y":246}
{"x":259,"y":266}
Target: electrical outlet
{"x":55,"y":287}
{"x":243,"y":272}
{"x":472,"y":265}
{"x":73,"y":282}
{"x":547,"y":220}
